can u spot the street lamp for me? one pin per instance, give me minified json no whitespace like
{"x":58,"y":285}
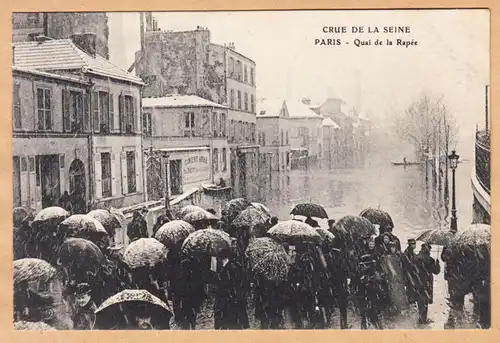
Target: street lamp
{"x":453,"y":165}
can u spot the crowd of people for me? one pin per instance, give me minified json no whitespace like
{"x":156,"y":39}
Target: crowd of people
{"x":373,"y":276}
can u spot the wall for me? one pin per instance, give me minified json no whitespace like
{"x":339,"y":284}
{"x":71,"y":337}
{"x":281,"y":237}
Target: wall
{"x":195,"y":166}
{"x":315,"y":134}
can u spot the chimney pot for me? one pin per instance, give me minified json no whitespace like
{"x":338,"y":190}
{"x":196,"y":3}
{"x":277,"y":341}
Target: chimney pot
{"x":86,"y":42}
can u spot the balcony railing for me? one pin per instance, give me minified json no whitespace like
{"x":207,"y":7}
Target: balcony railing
{"x":483,"y":159}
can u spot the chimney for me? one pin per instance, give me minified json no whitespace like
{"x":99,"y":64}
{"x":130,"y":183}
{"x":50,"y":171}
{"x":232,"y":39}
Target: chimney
{"x":39,"y":38}
{"x":306,"y":101}
{"x":149,"y":21}
{"x":86,"y":42}
{"x":141,"y":20}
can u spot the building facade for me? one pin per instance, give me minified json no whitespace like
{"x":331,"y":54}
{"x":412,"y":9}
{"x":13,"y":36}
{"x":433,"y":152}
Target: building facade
{"x":188,"y":63}
{"x":273,"y":136}
{"x":331,"y":143}
{"x":110,"y":114}
{"x":26,"y":26}
{"x":47,"y":160}
{"x":185,"y":138}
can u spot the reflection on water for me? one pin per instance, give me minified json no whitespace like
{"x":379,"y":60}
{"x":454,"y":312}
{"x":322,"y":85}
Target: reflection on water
{"x":398,"y":190}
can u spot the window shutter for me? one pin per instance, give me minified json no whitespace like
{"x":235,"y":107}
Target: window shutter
{"x":86,"y":113}
{"x":123,"y":158}
{"x":136,"y":123}
{"x":66,"y":110}
{"x":62,"y":174}
{"x":111,"y":112}
{"x":97,"y":174}
{"x":114,"y":181}
{"x":138,"y":179}
{"x":32,"y":180}
{"x":95,"y":111}
{"x":121,"y":114}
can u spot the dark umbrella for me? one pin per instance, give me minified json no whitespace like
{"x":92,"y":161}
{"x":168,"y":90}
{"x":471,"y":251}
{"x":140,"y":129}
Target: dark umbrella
{"x":309,"y":210}
{"x":173,"y":234}
{"x":207,"y":242}
{"x":188,"y":209}
{"x":200,"y":215}
{"x":32,"y":326}
{"x":50,"y":217}
{"x":327,"y":238}
{"x":293,"y":231}
{"x":267,"y":258}
{"x":234,"y":207}
{"x":378,"y":217}
{"x":144,"y":252}
{"x":21,"y":214}
{"x":77,"y":255}
{"x":119,"y":310}
{"x":250,"y":217}
{"x":436,"y":237}
{"x":353,"y":227}
{"x":108,"y":220}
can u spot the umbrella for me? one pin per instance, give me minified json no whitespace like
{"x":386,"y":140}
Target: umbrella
{"x":262,"y":207}
{"x":233,"y":207}
{"x":327,"y":237}
{"x":207,"y":242}
{"x":293,"y":231}
{"x":188,"y":209}
{"x":78,"y":254}
{"x":113,"y":310}
{"x":32,"y":326}
{"x":174,"y":233}
{"x":50,"y":216}
{"x":354,"y":227}
{"x":197,"y":216}
{"x":109,"y":221}
{"x":436,"y":237}
{"x":250,"y":217}
{"x":20,"y":214}
{"x":82,"y":223}
{"x":309,"y":210}
{"x":378,"y":217}
{"x":268,"y":259}
{"x":28,"y":270}
{"x":144,"y":252}
{"x":474,"y":235}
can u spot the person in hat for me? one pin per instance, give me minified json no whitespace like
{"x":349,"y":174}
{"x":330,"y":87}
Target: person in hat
{"x":84,"y":308}
{"x":426,"y":266}
{"x":137,"y":228}
{"x":408,"y":263}
{"x":331,"y":224}
{"x":369,"y":292}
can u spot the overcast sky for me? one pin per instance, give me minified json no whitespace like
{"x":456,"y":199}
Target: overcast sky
{"x":451,"y":58}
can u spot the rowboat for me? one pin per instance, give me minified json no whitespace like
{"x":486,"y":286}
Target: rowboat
{"x":406,"y":163}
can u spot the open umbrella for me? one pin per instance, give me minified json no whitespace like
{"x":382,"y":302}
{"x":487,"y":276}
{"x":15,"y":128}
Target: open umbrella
{"x":173,"y":233}
{"x":32,"y":326}
{"x":353,"y":227}
{"x":80,"y":256}
{"x":267,"y":258}
{"x":81,"y":223}
{"x":293,"y":231}
{"x":233,"y":207}
{"x":108,"y":220}
{"x":144,"y":252}
{"x":21,"y":214}
{"x":188,"y":209}
{"x":208,"y":242}
{"x":50,"y":217}
{"x":327,"y":238}
{"x":262,"y":207}
{"x":119,"y":310}
{"x":197,"y":216}
{"x":309,"y":210}
{"x":250,"y":217}
{"x":436,"y":237}
{"x":27,"y":270}
{"x":378,"y":217}
{"x":474,"y":235}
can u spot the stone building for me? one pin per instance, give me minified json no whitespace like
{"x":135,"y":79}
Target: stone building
{"x":60,"y":25}
{"x":188,"y":63}
{"x":108,"y":112}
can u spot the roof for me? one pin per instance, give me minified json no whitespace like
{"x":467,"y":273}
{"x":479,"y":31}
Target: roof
{"x":49,"y":75}
{"x":63,"y":54}
{"x":269,"y":108}
{"x":330,"y":122}
{"x":172,"y":101}
{"x":296,"y":110}
{"x":233,"y":51}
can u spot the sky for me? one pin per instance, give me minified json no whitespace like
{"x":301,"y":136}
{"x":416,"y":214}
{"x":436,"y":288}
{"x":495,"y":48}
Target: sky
{"x":451,"y":58}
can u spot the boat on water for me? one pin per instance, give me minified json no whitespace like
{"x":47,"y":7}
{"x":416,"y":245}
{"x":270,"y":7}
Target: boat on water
{"x":406,"y":163}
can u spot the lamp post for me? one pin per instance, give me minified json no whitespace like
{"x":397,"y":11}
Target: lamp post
{"x":453,"y":165}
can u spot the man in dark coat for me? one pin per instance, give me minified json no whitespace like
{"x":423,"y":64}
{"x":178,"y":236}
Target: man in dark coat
{"x":426,"y":267}
{"x":269,"y":303}
{"x":160,"y":221}
{"x":137,"y":228}
{"x":408,"y":262}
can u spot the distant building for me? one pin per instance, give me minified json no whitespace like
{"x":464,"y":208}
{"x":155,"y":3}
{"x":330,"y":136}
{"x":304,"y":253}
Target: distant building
{"x":331,"y":143}
{"x":108,"y":111}
{"x":185,"y":137}
{"x":273,"y":134}
{"x":188,"y":63}
{"x":61,"y":25}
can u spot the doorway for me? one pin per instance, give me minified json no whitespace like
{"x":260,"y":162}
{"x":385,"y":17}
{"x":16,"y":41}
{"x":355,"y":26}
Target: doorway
{"x":175,"y":177}
{"x":47,"y":172}
{"x":242,"y":168}
{"x":77,"y":186}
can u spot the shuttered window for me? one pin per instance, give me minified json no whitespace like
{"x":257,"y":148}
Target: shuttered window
{"x":16,"y":106}
{"x":131,"y":175}
{"x":106,"y":174}
{"x":44,"y":109}
{"x":127,"y":113}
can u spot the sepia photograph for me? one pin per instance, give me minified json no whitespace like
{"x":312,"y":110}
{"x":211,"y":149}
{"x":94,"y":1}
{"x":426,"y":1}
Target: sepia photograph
{"x":251,"y":170}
